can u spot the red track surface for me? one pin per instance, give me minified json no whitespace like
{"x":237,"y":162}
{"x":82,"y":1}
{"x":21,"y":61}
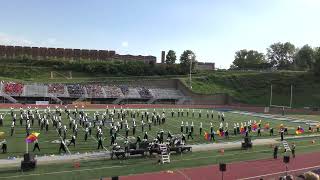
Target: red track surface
{"x":266,"y":169}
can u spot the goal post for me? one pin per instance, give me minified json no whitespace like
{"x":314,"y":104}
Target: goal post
{"x":54,"y":73}
{"x":281,"y":106}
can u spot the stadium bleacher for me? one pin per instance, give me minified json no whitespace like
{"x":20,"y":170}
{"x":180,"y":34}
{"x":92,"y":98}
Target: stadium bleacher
{"x":75,"y":90}
{"x":113,"y":92}
{"x":95,"y":91}
{"x":98,"y":91}
{"x":144,"y":93}
{"x":13,"y":88}
{"x":165,"y":93}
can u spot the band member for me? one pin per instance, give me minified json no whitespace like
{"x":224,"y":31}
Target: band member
{"x":73,"y":141}
{"x":145,"y":136}
{"x":275,"y":152}
{"x":1,"y":120}
{"x":181,"y":127}
{"x":149,"y":124}
{"x":271,"y":131}
{"x":112,"y":140}
{"x":36,"y":145}
{"x":187,"y":127}
{"x":293,"y":150}
{"x":100,"y":142}
{"x":259,"y":132}
{"x":212,"y":136}
{"x":62,"y":146}
{"x":190,"y":134}
{"x":4,"y":146}
{"x":86,"y":134}
{"x":192,"y":127}
{"x":12,"y":129}
{"x":281,"y":134}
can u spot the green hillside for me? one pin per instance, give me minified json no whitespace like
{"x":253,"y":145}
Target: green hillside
{"x":243,"y":87}
{"x":254,"y":87}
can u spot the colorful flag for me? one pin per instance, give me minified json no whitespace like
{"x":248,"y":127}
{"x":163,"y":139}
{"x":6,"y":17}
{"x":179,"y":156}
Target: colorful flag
{"x":220,"y":133}
{"x":242,"y":131}
{"x":299,"y":131}
{"x":206,"y":136}
{"x":267,"y":126}
{"x":32,"y":137}
{"x":254,"y":126}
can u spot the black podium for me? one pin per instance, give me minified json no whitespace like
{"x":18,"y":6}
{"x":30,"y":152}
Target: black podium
{"x":28,"y":163}
{"x":246,"y":144}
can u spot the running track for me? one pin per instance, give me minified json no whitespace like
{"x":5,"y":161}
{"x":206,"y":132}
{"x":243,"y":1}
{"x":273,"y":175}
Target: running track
{"x":266,"y":169}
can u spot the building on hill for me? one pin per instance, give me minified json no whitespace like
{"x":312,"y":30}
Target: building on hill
{"x":205,"y":66}
{"x":38,"y":53}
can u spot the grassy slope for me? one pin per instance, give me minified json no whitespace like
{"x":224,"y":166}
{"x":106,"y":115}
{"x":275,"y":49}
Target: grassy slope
{"x":254,"y":88}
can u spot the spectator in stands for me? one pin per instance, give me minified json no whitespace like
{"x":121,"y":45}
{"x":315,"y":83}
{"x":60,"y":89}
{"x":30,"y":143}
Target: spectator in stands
{"x":75,"y":90}
{"x":115,"y":92}
{"x":94,"y":90}
{"x":56,"y":89}
{"x":144,"y":93}
{"x":13,"y":88}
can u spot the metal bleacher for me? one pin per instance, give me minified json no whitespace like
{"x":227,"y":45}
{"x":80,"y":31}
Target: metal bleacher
{"x":82,"y":92}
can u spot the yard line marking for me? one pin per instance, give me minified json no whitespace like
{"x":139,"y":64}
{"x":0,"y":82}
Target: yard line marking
{"x":90,"y":135}
{"x":60,"y":136}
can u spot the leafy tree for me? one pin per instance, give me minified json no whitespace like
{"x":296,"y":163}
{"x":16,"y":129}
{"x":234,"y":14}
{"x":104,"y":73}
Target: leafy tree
{"x":251,"y":59}
{"x":304,"y":58}
{"x":185,"y":58}
{"x":316,"y":66}
{"x":281,"y":54}
{"x":171,"y":57}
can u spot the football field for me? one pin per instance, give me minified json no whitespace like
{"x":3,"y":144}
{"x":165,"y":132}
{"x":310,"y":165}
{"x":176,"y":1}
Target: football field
{"x":49,"y":141}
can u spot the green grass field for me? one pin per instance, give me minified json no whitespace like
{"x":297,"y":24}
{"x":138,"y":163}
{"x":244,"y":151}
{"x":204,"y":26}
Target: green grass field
{"x":17,"y":146}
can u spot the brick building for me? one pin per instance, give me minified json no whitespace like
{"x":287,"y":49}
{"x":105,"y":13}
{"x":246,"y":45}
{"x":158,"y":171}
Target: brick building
{"x":39,"y":53}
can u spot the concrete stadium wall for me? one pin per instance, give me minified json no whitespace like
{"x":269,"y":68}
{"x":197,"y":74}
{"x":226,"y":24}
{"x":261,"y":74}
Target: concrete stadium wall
{"x":215,"y":99}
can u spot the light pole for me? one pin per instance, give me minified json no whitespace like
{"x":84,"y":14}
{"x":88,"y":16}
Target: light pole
{"x":190,"y":57}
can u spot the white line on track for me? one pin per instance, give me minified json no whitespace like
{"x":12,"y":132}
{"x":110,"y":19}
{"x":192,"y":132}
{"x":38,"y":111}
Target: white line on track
{"x":280,"y":172}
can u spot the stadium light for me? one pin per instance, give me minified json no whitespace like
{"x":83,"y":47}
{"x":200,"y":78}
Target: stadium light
{"x":190,"y":57}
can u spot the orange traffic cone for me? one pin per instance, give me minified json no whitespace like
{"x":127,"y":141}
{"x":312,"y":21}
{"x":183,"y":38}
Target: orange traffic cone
{"x":222,"y":151}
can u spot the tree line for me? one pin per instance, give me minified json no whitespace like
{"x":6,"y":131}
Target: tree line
{"x":281,"y":56}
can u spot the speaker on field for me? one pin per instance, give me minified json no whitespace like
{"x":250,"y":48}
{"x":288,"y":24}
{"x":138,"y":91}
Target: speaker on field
{"x":115,"y":178}
{"x":222,"y":167}
{"x":286,"y":159}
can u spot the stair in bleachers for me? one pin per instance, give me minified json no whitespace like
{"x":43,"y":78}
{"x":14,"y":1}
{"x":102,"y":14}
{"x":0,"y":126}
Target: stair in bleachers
{"x":55,"y":98}
{"x":9,"y":98}
{"x":117,"y":101}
